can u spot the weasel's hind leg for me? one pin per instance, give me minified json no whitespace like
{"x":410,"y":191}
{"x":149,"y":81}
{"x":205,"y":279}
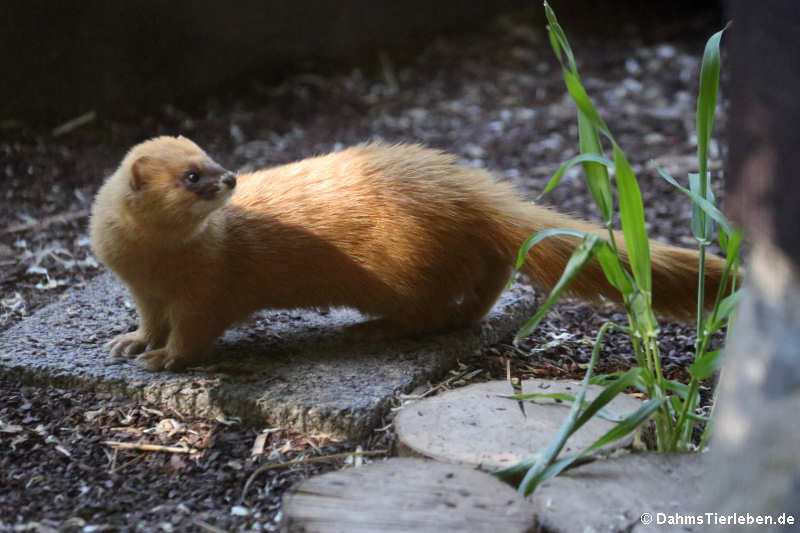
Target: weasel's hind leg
{"x":435,"y":310}
{"x":478,"y":301}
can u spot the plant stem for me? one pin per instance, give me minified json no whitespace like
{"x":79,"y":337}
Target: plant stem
{"x":701,"y":288}
{"x":611,"y":240}
{"x":681,"y":435}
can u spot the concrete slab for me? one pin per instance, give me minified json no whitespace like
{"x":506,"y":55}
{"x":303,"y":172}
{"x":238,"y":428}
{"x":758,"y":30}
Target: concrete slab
{"x":286,"y":368}
{"x":406,"y":495}
{"x":636,"y":492}
{"x":474,"y":425}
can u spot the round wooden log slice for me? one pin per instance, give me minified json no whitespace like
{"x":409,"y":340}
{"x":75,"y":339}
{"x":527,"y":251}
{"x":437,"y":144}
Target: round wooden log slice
{"x":611,"y":495}
{"x":405,"y":494}
{"x":473,"y":425}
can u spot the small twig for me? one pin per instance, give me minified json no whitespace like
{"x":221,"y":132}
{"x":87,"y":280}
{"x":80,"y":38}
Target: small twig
{"x":147,"y":447}
{"x":113,"y":465}
{"x":126,"y":464}
{"x":47,"y":221}
{"x":444,"y":384}
{"x":74,"y":123}
{"x":258,"y":444}
{"x":310,"y":460}
{"x":208,"y":527}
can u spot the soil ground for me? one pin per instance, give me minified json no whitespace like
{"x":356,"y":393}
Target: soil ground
{"x":495,"y":98}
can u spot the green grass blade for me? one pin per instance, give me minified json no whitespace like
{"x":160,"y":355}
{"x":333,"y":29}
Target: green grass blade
{"x":675,"y":404}
{"x":582,"y":255}
{"x":596,"y":175}
{"x":720,"y":314}
{"x":556,"y":45}
{"x":732,"y":244}
{"x":632,"y":215}
{"x":626,"y":380}
{"x":702,"y":234}
{"x":589,"y":160}
{"x":709,"y":429}
{"x":705,"y":205}
{"x":538,"y":237}
{"x":584,"y":103}
{"x":568,"y":426}
{"x":705,"y":365}
{"x":731,"y":248}
{"x":561,"y":397}
{"x":676,"y":387}
{"x":698,"y":418}
{"x":614,"y":271}
{"x":726,"y":307}
{"x":544,"y":461}
{"x":548,"y":455}
{"x":707,"y":97}
{"x":706,"y":107}
{"x":606,"y":379}
{"x":515,"y":473}
{"x":722,"y":239}
{"x":558,"y":36}
{"x":627,"y":426}
{"x":640,"y":307}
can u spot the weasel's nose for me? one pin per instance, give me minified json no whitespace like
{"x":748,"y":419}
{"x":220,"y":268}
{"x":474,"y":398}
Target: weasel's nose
{"x":229,"y":179}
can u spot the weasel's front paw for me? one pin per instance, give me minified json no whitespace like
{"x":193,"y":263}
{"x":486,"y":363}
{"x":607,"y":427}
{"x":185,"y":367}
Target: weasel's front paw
{"x":154,"y":360}
{"x":160,"y":359}
{"x":128,"y":344}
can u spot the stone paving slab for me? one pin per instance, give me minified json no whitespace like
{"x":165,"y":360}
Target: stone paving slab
{"x":291,"y":369}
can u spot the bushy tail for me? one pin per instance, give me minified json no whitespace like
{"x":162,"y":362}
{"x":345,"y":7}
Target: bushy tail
{"x":674,"y":269}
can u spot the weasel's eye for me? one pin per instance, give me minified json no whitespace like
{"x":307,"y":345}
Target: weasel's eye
{"x":192,"y":177}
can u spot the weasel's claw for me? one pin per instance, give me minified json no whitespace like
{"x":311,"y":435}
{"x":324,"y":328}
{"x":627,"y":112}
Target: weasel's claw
{"x":127,"y":344}
{"x":154,"y":360}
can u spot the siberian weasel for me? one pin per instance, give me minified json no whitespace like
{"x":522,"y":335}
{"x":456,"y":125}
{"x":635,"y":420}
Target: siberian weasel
{"x":397,"y":231}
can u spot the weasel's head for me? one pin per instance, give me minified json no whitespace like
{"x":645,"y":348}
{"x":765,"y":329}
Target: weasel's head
{"x":172,"y":181}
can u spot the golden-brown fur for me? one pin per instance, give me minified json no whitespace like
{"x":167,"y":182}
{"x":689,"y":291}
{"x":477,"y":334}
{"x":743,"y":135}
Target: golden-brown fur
{"x":399,"y":232}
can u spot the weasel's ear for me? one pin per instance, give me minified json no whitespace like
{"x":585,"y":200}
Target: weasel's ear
{"x":141,"y":170}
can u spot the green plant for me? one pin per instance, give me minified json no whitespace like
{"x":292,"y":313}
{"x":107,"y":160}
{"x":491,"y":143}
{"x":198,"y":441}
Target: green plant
{"x":672,"y":405}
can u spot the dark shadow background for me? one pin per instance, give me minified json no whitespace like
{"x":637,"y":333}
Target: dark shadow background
{"x":63,"y":59}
